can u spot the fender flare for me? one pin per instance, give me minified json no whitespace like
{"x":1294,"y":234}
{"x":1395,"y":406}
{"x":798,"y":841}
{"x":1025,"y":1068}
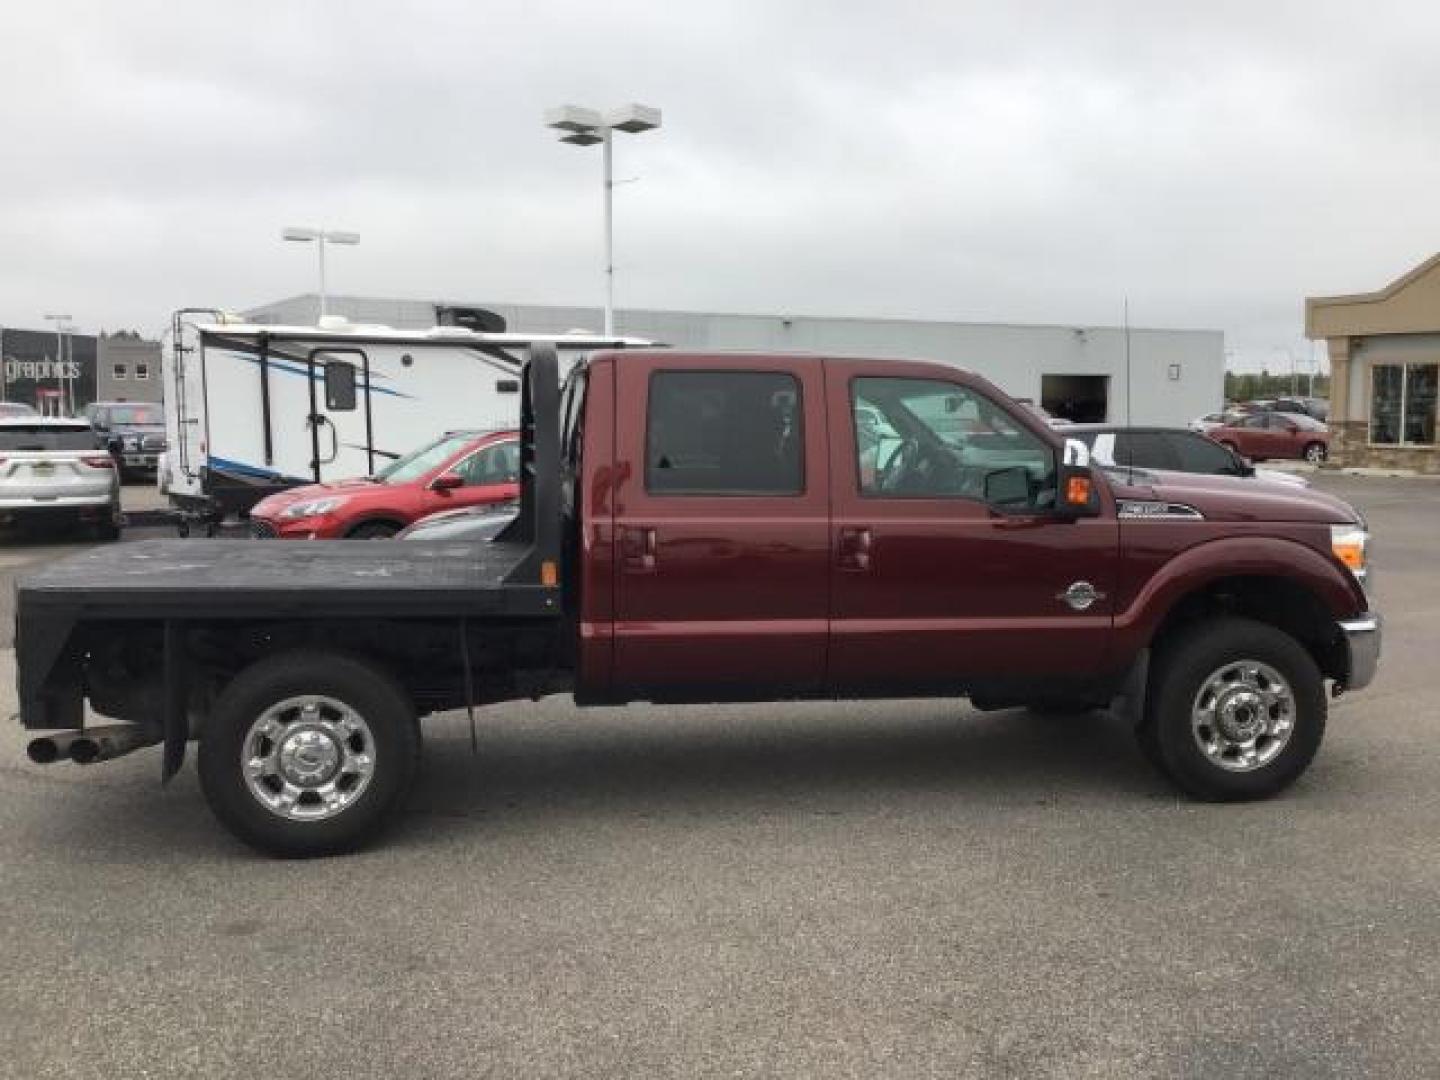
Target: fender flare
{"x":1231,"y":557}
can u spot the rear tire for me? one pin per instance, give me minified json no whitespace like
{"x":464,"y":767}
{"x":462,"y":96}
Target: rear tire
{"x":308,"y":753}
{"x":1236,"y":710}
{"x":373,"y":530}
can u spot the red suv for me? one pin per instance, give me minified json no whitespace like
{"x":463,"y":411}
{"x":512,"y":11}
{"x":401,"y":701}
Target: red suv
{"x":1275,"y":435}
{"x":461,"y":468}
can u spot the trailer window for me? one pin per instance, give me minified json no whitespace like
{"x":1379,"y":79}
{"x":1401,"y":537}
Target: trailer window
{"x":339,"y":385}
{"x":724,"y":433}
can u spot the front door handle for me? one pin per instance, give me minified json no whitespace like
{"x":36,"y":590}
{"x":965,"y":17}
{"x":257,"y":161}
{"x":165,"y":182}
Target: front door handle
{"x":854,"y":549}
{"x":637,"y":543}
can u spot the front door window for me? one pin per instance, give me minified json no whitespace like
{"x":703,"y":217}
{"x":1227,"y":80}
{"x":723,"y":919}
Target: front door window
{"x":921,"y":438}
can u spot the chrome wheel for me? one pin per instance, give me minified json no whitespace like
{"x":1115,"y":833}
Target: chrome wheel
{"x":308,"y":758}
{"x":1315,"y":453}
{"x":1243,"y":716}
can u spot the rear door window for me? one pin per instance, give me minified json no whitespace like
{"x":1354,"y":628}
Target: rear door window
{"x":1200,"y":455}
{"x":1145,"y":450}
{"x":724,"y":433}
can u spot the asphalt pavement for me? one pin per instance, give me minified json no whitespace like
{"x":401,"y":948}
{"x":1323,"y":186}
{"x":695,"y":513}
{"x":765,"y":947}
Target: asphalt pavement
{"x":902,"y":889}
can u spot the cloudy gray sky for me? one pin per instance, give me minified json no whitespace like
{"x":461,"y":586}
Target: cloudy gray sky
{"x":1016,"y":161}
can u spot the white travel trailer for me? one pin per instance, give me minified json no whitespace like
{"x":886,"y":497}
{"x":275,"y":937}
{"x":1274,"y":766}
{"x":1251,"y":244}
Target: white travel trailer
{"x":251,"y":409}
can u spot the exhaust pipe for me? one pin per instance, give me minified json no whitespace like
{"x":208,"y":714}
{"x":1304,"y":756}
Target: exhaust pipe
{"x":108,"y":743}
{"x":48,"y":749}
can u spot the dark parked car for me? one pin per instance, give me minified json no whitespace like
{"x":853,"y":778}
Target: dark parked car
{"x":133,"y":431}
{"x":1169,"y":448}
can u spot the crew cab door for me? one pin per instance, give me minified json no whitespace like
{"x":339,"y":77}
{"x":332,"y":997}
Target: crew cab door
{"x":949,"y":566}
{"x":721,"y":525}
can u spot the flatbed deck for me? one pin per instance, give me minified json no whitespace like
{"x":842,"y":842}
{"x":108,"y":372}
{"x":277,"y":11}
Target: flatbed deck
{"x":219,"y":579}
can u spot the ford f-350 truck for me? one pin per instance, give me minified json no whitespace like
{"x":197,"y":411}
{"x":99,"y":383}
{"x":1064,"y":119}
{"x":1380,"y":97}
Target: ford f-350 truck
{"x":719,"y":527}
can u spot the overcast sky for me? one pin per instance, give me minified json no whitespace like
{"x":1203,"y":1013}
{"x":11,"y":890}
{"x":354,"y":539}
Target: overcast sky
{"x":1216,"y":162}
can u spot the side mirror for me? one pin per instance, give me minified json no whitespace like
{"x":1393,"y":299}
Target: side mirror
{"x":447,"y":482}
{"x":1079,"y":491}
{"x":1008,"y":488}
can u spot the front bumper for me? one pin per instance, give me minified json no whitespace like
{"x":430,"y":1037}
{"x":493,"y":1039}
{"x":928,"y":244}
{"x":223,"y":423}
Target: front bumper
{"x":1362,"y":640}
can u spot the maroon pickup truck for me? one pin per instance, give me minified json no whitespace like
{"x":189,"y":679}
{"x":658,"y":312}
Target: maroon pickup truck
{"x":697,"y":527}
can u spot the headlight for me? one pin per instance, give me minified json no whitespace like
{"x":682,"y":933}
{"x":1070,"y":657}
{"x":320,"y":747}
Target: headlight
{"x":1350,"y":543}
{"x":311,"y":508}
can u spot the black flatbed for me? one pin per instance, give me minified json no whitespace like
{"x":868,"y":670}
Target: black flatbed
{"x":221,"y":579}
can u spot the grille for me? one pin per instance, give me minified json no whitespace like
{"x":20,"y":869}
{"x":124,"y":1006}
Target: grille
{"x":263,"y":530}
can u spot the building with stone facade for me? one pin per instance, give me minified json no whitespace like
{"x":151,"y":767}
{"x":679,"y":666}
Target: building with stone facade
{"x":1384,"y":352}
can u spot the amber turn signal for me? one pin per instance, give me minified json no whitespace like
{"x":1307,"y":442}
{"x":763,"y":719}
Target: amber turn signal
{"x":549,"y":576}
{"x":1077,"y":490}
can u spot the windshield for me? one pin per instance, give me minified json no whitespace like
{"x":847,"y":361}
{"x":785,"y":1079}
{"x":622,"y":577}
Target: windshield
{"x":417,"y":463}
{"x":135,"y":414}
{"x":47,"y":437}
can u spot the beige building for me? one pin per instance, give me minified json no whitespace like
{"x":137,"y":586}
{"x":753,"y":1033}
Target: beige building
{"x":1384,"y":361}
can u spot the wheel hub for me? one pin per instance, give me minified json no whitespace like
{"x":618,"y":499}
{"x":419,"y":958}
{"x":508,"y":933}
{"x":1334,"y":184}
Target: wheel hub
{"x":309,"y":757}
{"x":1241,"y":715}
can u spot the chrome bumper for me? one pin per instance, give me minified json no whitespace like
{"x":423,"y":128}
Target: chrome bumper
{"x":1362,"y":637}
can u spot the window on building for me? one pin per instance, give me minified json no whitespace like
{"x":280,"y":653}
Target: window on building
{"x":142,"y":371}
{"x":724,"y":433}
{"x":118,"y":372}
{"x":1402,"y":404}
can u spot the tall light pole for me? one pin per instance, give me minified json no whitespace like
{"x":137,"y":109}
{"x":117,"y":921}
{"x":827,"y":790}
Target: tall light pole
{"x":320,"y":237}
{"x":580,"y":126}
{"x":62,"y":323}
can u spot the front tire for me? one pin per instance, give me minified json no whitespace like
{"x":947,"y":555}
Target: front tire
{"x":1315,"y":453}
{"x":308,"y":753}
{"x":1236,"y":710}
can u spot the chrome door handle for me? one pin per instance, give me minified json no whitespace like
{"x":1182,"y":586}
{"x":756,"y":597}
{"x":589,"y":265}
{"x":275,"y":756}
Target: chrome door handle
{"x":854,"y":547}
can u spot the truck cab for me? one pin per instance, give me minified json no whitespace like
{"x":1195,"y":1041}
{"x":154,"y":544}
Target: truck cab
{"x":705,"y":527}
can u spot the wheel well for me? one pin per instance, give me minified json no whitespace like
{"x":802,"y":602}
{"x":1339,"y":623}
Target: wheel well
{"x":1279,"y":602}
{"x":377,"y":519}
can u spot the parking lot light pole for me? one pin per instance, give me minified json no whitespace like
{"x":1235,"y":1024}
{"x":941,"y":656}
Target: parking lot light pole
{"x":580,"y":126}
{"x":61,"y":322}
{"x":320,"y":237}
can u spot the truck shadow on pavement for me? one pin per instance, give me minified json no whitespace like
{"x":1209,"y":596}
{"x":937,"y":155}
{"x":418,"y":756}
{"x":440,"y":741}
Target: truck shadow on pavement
{"x":551,"y":766}
{"x":821,"y":759}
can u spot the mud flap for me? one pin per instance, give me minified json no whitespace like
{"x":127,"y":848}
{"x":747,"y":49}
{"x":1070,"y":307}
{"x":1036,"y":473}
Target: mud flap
{"x":1130,"y":702}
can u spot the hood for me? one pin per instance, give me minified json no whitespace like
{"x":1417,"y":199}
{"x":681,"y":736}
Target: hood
{"x":1233,"y":498}
{"x":312,"y":491}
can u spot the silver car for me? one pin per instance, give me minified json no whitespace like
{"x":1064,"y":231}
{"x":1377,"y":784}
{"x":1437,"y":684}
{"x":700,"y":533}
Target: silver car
{"x":52,"y":470}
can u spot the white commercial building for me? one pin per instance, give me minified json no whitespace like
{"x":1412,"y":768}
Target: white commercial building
{"x":1075,"y":371}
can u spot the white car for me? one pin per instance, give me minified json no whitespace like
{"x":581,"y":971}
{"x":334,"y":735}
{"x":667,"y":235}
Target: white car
{"x":1210,"y":421}
{"x":52,"y":470}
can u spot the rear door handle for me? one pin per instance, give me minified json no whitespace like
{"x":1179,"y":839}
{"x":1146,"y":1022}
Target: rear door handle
{"x":638,"y":547}
{"x":854,"y":548}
